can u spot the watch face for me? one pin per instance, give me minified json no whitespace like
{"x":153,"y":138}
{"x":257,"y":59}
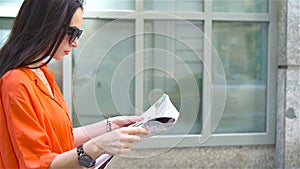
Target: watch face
{"x":85,"y":161}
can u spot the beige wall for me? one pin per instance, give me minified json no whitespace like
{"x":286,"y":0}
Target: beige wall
{"x":202,"y":157}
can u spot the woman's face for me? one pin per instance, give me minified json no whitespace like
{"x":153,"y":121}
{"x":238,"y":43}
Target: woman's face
{"x":66,"y":46}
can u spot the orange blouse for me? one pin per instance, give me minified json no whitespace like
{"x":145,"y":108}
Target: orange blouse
{"x":34,"y":126}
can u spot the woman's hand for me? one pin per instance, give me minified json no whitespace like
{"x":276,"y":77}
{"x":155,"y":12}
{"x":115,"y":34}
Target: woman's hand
{"x":123,"y":121}
{"x":118,"y":141}
{"x":85,"y":133}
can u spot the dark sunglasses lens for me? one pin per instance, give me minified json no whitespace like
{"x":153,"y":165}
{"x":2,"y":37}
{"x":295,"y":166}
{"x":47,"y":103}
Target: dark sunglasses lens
{"x":75,"y":32}
{"x":79,"y":33}
{"x":74,"y":35}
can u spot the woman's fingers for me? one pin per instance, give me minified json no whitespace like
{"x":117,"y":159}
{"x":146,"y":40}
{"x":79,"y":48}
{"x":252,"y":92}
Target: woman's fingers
{"x":135,"y":130}
{"x":134,"y":118}
{"x":123,"y":121}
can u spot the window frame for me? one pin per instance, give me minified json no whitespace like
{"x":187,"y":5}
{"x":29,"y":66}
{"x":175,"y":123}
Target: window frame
{"x":208,"y":17}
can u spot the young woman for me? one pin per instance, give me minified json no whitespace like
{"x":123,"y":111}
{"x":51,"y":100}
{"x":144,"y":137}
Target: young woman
{"x":35,"y":127}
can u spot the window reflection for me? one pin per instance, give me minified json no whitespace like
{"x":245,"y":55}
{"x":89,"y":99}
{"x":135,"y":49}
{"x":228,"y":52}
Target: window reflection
{"x":11,"y":3}
{"x":172,"y":47}
{"x":106,"y":48}
{"x":242,"y":47}
{"x":174,"y":5}
{"x":5,"y":27}
{"x":247,"y":6}
{"x":94,"y":5}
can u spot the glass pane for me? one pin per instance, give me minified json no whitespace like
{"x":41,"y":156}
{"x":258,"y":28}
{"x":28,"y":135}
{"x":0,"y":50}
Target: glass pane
{"x":174,"y":5}
{"x":173,"y":65}
{"x":11,"y":3}
{"x":5,"y":27}
{"x":92,"y":5}
{"x":3,"y":36}
{"x":242,"y":47}
{"x":251,"y":6}
{"x":103,"y":70}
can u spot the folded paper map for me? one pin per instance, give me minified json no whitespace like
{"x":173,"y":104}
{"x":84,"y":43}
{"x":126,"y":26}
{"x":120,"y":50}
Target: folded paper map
{"x":161,"y":116}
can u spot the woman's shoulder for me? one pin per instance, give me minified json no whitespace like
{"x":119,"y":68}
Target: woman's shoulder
{"x":15,"y":77}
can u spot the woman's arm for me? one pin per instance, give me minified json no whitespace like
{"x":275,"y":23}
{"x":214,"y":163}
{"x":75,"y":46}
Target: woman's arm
{"x":85,"y":133}
{"x":119,"y":141}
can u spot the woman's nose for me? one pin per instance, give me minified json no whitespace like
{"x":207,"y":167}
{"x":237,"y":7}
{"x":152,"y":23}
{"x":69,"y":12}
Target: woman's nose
{"x":75,"y":43}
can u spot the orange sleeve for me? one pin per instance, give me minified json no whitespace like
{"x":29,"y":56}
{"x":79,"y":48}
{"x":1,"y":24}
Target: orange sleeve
{"x":28,"y":137}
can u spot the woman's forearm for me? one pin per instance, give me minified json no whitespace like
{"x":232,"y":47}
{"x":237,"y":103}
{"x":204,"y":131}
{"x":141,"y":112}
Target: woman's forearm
{"x":85,"y":133}
{"x":69,"y":159}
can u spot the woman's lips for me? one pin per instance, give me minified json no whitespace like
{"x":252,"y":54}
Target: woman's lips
{"x":67,"y":52}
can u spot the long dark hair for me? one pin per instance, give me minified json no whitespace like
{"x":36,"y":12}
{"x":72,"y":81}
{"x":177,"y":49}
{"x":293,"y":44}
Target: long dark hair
{"x":40,"y":26}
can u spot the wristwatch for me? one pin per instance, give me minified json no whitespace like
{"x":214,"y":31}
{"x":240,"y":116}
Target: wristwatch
{"x":83,"y":159}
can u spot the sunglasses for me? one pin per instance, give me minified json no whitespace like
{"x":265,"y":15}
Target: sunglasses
{"x":80,"y":1}
{"x":74,"y":33}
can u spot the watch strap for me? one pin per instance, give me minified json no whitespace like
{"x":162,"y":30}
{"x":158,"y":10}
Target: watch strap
{"x":82,"y":155}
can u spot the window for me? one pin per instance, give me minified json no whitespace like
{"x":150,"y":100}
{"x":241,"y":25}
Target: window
{"x":215,"y":59}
